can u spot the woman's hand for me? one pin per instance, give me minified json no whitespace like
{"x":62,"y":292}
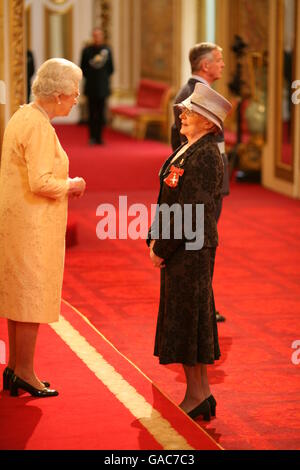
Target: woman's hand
{"x":76,"y":187}
{"x":156,"y":260}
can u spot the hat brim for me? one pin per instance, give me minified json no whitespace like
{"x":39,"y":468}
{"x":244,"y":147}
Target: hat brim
{"x":200,"y":110}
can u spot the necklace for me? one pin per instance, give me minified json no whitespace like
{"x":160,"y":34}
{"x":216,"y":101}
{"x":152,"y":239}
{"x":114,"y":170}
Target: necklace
{"x":41,"y":109}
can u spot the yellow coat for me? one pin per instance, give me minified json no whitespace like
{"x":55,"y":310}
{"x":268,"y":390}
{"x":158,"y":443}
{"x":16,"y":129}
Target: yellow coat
{"x":33,"y":217}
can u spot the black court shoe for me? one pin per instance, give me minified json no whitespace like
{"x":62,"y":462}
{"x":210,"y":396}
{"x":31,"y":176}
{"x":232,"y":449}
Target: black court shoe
{"x":202,"y":409}
{"x":213,"y":404}
{"x":220,"y":318}
{"x":7,"y":376}
{"x":17,"y":383}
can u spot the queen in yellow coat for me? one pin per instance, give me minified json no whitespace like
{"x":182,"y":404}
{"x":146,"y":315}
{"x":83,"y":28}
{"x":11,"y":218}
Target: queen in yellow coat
{"x":34,"y":190}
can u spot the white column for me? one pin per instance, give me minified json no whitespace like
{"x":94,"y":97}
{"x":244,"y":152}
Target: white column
{"x":37,"y":32}
{"x":188,"y":35}
{"x":83,"y":25}
{"x":115,"y":43}
{"x":55,"y":36}
{"x":136,"y":46}
{"x":210,"y":8}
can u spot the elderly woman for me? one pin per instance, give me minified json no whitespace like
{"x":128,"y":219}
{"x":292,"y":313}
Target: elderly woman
{"x":192,"y":177}
{"x":34,"y":190}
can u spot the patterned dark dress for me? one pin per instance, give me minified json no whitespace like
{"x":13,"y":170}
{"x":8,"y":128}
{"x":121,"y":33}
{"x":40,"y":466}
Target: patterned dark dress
{"x":186,"y":327}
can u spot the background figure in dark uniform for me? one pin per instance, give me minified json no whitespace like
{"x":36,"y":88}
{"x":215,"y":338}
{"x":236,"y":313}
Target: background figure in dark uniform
{"x":97,"y":67}
{"x":30,"y":72}
{"x":207,"y":65}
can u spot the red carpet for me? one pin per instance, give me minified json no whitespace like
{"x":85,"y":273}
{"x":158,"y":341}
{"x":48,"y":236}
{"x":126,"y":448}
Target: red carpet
{"x":115,"y":165}
{"x":256,"y":283}
{"x":256,"y":287}
{"x":121,"y":409}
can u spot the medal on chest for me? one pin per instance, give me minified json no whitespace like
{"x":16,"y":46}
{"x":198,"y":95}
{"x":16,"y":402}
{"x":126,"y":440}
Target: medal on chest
{"x":172,"y":179}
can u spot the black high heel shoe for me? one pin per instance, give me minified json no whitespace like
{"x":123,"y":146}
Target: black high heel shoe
{"x":202,"y":409}
{"x":7,"y":376}
{"x":213,"y":404}
{"x":17,"y":383}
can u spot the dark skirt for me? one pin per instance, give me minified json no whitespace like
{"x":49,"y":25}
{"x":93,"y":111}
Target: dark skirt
{"x":186,"y":330}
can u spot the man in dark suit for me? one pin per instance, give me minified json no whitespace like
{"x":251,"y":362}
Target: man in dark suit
{"x":30,"y":72}
{"x":207,"y":65}
{"x":97,"y":67}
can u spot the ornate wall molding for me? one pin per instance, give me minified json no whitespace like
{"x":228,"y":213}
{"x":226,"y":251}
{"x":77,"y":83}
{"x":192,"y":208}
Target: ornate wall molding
{"x":160,"y":42}
{"x":2,"y":82}
{"x":103,"y":17}
{"x":64,"y":30}
{"x":254,"y":27}
{"x":17,"y":54}
{"x":282,"y":170}
{"x":270,"y":178}
{"x":58,"y":6}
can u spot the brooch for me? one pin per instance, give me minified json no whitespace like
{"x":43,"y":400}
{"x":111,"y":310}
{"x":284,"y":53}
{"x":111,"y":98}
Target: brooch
{"x":173,"y":177}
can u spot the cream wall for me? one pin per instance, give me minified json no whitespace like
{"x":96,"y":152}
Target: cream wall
{"x":82,"y":21}
{"x":126,"y":39}
{"x":125,"y":43}
{"x":82,"y":24}
{"x":125,"y":36}
{"x":189,"y":31}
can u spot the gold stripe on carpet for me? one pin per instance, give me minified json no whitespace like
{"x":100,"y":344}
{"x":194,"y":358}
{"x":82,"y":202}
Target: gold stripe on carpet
{"x":150,"y":418}
{"x":86,"y":320}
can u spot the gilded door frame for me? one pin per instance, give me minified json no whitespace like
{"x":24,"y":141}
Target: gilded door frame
{"x":2,"y":117}
{"x":283,"y":170}
{"x":271,"y":180}
{"x":17,"y":73}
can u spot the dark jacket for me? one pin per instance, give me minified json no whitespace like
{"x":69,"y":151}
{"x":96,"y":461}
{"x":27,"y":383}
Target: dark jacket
{"x":186,"y":326}
{"x":177,"y":139}
{"x":97,"y":67}
{"x":200,"y":183}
